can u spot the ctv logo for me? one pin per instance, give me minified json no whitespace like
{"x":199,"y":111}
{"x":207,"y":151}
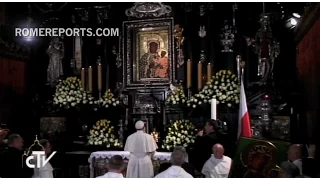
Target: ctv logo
{"x":40,"y":157}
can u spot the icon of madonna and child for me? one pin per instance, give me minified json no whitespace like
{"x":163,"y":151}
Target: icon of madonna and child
{"x":153,"y":62}
{"x":259,"y":160}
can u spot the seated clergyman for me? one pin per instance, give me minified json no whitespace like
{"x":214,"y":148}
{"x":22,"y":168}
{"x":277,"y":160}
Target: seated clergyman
{"x":186,"y":165}
{"x":178,"y":157}
{"x":218,"y":165}
{"x":115,"y":168}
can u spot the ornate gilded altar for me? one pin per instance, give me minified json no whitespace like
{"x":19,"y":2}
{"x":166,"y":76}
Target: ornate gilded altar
{"x":99,"y":160}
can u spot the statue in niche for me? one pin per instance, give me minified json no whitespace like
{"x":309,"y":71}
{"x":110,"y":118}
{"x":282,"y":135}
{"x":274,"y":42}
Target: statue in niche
{"x":56,"y":54}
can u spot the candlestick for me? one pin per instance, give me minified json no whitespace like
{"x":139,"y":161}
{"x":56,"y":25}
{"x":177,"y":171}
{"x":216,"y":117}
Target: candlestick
{"x":99,"y":76}
{"x":83,"y":79}
{"x":199,"y":75}
{"x":90,"y":78}
{"x":189,"y":72}
{"x":214,"y":108}
{"x":209,"y":72}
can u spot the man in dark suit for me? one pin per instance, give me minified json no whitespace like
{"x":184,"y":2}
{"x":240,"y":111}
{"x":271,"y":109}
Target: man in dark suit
{"x":204,"y":143}
{"x":12,"y":163}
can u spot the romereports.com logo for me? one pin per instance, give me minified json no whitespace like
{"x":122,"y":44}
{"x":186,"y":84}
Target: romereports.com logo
{"x":58,"y":32}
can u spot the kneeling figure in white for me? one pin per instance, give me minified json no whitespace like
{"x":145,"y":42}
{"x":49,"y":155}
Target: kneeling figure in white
{"x":178,"y":157}
{"x":218,"y":165}
{"x":141,"y":146}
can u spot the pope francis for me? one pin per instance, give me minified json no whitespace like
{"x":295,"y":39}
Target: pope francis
{"x":141,"y":147}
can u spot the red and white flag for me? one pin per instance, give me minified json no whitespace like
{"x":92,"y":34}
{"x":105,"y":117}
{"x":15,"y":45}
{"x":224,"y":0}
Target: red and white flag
{"x":244,"y":125}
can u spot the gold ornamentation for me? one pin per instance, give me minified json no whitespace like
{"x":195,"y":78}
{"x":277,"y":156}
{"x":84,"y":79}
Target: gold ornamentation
{"x":29,"y":151}
{"x":178,"y":35}
{"x":262,"y":155}
{"x":155,"y":135}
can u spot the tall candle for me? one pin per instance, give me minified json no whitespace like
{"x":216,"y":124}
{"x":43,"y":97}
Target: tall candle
{"x":189,"y":73}
{"x":238,"y":59}
{"x":99,"y":76}
{"x":90,"y":78}
{"x":199,"y":75}
{"x":83,"y":79}
{"x":214,"y":108}
{"x":127,"y":117}
{"x":209,"y":72}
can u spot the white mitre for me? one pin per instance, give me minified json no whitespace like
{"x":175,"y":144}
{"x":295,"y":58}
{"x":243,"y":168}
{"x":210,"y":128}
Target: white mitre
{"x":140,"y":142}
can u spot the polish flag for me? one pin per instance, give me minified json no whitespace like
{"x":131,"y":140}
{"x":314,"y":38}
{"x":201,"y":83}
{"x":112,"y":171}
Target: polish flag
{"x":244,"y":125}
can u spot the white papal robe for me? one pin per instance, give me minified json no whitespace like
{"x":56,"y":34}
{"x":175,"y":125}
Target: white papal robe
{"x":141,"y":146}
{"x":174,"y":172}
{"x":45,"y":171}
{"x":111,"y":175}
{"x":217,"y":168}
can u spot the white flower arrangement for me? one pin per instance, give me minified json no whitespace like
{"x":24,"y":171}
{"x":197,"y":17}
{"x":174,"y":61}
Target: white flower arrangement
{"x":180,"y":133}
{"x":69,"y":93}
{"x":102,"y":134}
{"x":223,"y":86}
{"x":176,"y":97}
{"x":108,"y":100}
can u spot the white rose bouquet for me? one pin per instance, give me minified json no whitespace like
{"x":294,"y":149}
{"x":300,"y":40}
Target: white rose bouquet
{"x":176,"y":97}
{"x":102,"y":134}
{"x":180,"y":133}
{"x":223,"y":86}
{"x":69,"y":93}
{"x":108,"y":100}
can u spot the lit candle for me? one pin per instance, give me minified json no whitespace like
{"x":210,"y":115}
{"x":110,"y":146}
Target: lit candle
{"x":99,"y":76}
{"x":189,"y":73}
{"x":199,"y":75}
{"x":209,"y":72}
{"x":83,"y":79}
{"x":90,"y":78}
{"x":214,"y":108}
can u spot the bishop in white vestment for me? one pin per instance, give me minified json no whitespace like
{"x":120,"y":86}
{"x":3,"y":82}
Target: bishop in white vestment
{"x":218,"y":165}
{"x":141,"y":147}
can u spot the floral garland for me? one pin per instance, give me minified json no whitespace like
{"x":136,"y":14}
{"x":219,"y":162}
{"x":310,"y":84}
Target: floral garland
{"x":180,"y":133}
{"x":108,"y":100}
{"x":223,"y":86}
{"x":102,"y":134}
{"x":177,"y":97}
{"x":69,"y":93}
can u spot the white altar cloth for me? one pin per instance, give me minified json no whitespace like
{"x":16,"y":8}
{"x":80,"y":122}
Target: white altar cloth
{"x":124,"y":154}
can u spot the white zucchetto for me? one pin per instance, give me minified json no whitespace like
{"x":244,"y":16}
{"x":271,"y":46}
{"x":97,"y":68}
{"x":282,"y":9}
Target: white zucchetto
{"x":139,"y":125}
